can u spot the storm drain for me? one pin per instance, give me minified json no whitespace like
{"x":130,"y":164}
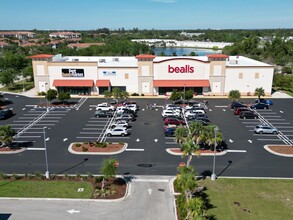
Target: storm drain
{"x":146,"y":165}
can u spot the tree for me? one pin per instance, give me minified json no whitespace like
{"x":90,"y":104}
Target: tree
{"x":181,"y":134}
{"x":62,"y":96}
{"x":107,"y":94}
{"x":124,"y":95}
{"x":108,"y":170}
{"x":259,"y":92}
{"x":7,"y":133}
{"x":51,"y":94}
{"x":189,"y":94}
{"x":175,"y":95}
{"x":234,"y":95}
{"x":186,"y":181}
{"x":7,"y":77}
{"x":189,"y":147}
{"x":196,"y":208}
{"x":116,"y":93}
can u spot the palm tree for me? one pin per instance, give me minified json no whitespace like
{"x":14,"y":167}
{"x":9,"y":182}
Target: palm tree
{"x":208,"y":136}
{"x":107,"y":94}
{"x":196,"y":208}
{"x":188,"y":147}
{"x":186,"y":181}
{"x":181,"y":134}
{"x":124,"y":95}
{"x":259,"y":92}
{"x":116,"y":93}
{"x":196,"y":129}
{"x":7,"y":133}
{"x":234,"y":95}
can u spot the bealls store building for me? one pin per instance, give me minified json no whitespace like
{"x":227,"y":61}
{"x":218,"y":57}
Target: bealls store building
{"x":214,"y":74}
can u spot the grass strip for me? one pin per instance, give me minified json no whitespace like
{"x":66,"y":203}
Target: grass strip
{"x":249,"y":198}
{"x":45,"y":189}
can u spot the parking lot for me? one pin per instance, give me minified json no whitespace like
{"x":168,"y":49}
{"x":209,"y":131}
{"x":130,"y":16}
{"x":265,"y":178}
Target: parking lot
{"x":147,"y":144}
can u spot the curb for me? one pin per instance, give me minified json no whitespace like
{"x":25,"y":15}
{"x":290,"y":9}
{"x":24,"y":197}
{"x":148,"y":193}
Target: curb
{"x":266,"y":147}
{"x":169,"y":151}
{"x":96,"y":153}
{"x":14,"y":151}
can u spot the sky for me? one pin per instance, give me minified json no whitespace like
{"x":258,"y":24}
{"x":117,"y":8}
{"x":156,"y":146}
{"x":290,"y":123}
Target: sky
{"x":145,"y":14}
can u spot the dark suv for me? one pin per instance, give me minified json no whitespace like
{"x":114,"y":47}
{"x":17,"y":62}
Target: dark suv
{"x":237,"y":105}
{"x":248,"y":115}
{"x":104,"y":114}
{"x":5,"y":113}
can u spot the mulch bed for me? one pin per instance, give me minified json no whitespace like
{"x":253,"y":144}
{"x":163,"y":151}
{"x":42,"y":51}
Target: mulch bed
{"x":282,"y":149}
{"x":113,"y":147}
{"x":9,"y":149}
{"x":115,"y":184}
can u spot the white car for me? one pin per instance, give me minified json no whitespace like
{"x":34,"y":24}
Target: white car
{"x":118,"y":131}
{"x":189,"y":113}
{"x":123,"y":124}
{"x":120,"y":109}
{"x":105,"y":107}
{"x":132,"y":107}
{"x":166,"y":113}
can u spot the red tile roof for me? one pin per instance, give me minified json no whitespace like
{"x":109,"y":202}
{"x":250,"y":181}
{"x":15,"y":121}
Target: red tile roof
{"x":181,"y":83}
{"x":145,"y":56}
{"x":73,"y":83}
{"x":41,"y":56}
{"x":103,"y":83}
{"x":217,"y":56}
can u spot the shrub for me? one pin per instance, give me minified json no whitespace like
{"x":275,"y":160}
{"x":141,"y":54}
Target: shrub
{"x":3,"y":176}
{"x":77,"y":145}
{"x":84,"y":149}
{"x":39,"y":175}
{"x":120,"y":143}
{"x":85,"y":142}
{"x":142,"y":94}
{"x":15,"y":176}
{"x":134,"y":94}
{"x":104,"y":145}
{"x":98,"y":179}
{"x":110,"y":142}
{"x":89,"y":175}
{"x":42,"y":93}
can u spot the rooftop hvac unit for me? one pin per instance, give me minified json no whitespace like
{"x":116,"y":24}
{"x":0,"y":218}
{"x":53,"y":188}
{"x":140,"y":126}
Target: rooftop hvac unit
{"x":102,"y":60}
{"x":75,"y":59}
{"x":116,"y":59}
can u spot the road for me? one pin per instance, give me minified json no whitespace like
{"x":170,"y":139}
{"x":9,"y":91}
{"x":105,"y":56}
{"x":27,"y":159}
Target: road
{"x":149,"y":199}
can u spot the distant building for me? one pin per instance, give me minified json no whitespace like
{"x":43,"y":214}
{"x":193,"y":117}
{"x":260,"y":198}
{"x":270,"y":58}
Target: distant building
{"x":186,"y":34}
{"x":18,"y":34}
{"x":65,"y":35}
{"x":84,"y":45}
{"x":4,"y":44}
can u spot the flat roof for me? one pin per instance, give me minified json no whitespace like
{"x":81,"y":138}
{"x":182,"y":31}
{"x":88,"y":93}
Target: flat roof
{"x":131,"y":61}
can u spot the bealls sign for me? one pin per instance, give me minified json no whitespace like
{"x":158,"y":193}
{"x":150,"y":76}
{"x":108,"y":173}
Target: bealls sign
{"x":182,"y":69}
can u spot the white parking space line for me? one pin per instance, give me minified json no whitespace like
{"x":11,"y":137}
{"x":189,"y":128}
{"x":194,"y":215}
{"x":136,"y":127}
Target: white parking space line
{"x":281,"y":123}
{"x":31,"y":148}
{"x":31,"y":114}
{"x":29,"y":136}
{"x":262,"y":139}
{"x":171,"y":143}
{"x":57,"y":114}
{"x":90,"y":132}
{"x":33,"y":132}
{"x":272,"y":116}
{"x":274,"y":119}
{"x":129,"y":149}
{"x":284,"y":126}
{"x":92,"y":129}
{"x":118,"y":137}
{"x":44,"y":121}
{"x":87,"y":137}
{"x":221,"y":106}
{"x":236,"y":151}
{"x":37,"y":124}
{"x":268,"y":113}
{"x":97,"y":121}
{"x":95,"y":125}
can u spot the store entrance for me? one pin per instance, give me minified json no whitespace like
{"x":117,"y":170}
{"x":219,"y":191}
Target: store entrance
{"x":75,"y":90}
{"x":164,"y":90}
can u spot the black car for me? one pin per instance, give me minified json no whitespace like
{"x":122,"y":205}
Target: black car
{"x":260,"y":105}
{"x":248,"y":115}
{"x":5,"y":113}
{"x":103,"y":114}
{"x":237,"y":105}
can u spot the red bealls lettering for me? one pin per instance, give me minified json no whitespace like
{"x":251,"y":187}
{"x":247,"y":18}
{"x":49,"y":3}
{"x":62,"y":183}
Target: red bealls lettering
{"x":182,"y":69}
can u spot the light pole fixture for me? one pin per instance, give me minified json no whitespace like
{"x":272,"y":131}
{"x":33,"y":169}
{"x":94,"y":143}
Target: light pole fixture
{"x":46,"y":155}
{"x":213,"y":176}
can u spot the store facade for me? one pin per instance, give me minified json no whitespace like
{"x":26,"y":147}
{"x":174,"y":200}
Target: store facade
{"x":215,"y":74}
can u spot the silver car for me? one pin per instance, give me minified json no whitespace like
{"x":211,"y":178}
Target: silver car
{"x":265,"y":129}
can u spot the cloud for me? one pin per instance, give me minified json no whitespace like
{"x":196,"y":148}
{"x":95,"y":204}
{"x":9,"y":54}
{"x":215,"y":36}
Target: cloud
{"x":165,"y":1}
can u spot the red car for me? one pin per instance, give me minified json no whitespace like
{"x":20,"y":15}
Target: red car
{"x":174,"y":121}
{"x":237,"y":111}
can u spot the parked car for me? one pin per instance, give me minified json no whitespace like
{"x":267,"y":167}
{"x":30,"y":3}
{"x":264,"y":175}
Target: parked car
{"x":204,"y":121}
{"x":125,"y":117}
{"x":169,"y":131}
{"x":173,"y":116}
{"x":237,"y":105}
{"x":105,"y":107}
{"x":103,"y":114}
{"x":173,"y":121}
{"x":121,"y":123}
{"x":237,"y":111}
{"x":248,"y":115}
{"x":166,"y":113}
{"x":196,"y":116}
{"x":259,"y":106}
{"x":265,"y":129}
{"x":118,"y":131}
{"x":265,"y":101}
{"x":5,"y":113}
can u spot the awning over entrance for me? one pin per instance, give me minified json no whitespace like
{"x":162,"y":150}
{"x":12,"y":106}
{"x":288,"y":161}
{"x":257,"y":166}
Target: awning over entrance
{"x":73,"y":83}
{"x":103,"y":83}
{"x":181,"y":83}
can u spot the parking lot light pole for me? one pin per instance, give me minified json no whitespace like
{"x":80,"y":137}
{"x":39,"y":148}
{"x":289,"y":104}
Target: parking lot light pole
{"x":213,"y":176}
{"x":184,"y":92}
{"x":46,"y":155}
